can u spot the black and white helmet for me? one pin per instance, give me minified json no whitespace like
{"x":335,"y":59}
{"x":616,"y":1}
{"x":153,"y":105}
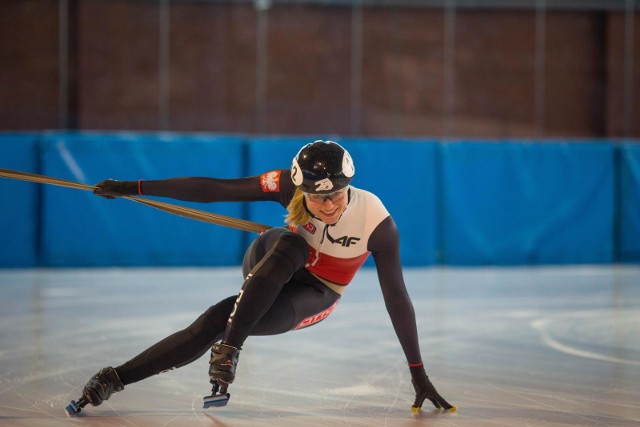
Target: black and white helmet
{"x":322,"y":167}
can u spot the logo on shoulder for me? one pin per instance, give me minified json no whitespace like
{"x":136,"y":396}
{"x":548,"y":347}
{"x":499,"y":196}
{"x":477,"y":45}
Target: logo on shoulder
{"x":310,"y":228}
{"x":270,"y":181}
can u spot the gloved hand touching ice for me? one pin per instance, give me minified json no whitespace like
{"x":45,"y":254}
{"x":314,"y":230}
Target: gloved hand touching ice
{"x":425,"y":390}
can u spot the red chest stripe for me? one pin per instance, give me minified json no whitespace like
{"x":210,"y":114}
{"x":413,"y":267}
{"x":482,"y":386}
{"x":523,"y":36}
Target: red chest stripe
{"x":336,"y":270}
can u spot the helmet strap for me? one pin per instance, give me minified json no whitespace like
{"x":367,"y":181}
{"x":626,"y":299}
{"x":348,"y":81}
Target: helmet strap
{"x":304,"y":204}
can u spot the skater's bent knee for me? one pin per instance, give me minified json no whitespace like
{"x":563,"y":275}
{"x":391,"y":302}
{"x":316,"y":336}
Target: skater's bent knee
{"x":293,"y":247}
{"x":212,"y":322}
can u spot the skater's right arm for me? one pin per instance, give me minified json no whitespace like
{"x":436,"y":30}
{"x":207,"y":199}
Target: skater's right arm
{"x":198,"y":189}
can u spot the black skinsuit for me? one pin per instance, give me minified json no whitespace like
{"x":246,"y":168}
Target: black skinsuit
{"x":279,"y":293}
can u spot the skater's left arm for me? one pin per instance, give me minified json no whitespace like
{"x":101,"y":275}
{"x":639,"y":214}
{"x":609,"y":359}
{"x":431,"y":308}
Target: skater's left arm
{"x":384,"y":244}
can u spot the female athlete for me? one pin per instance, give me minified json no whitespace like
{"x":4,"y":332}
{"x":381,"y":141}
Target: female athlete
{"x":293,"y":276}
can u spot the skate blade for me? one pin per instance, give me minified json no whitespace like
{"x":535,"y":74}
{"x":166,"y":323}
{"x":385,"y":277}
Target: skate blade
{"x":215,"y":400}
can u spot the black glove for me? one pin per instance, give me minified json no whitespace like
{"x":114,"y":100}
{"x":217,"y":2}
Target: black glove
{"x":110,"y":188}
{"x":426,"y":390}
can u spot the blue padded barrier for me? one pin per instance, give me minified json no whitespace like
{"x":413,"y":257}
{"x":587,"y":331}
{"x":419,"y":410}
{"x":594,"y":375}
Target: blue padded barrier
{"x":523,"y":203}
{"x":455,"y":203}
{"x":629,"y":249}
{"x":81,"y":229}
{"x":20,"y":215}
{"x":404,"y":174}
{"x":401,"y":172}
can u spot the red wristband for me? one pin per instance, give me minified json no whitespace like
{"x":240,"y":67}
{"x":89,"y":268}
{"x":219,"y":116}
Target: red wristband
{"x":415,"y":365}
{"x":140,"y":187}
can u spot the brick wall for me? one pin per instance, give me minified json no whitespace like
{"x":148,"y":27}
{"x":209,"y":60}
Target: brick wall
{"x":300,"y":69}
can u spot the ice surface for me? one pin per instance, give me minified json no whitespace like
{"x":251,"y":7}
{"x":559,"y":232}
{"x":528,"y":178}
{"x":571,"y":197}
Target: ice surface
{"x":547,"y":346}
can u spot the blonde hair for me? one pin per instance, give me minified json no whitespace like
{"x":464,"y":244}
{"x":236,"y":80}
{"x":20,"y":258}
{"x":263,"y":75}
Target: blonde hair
{"x":297,"y":212}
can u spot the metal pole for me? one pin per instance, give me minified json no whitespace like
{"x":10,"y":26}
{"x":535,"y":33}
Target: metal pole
{"x":262,"y":64}
{"x":448,"y":101}
{"x":63,"y":64}
{"x":540,"y":67}
{"x":629,"y":33}
{"x":356,"y":67}
{"x":164,"y":81}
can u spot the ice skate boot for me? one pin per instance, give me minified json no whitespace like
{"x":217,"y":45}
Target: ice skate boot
{"x":98,"y":389}
{"x":222,"y":372}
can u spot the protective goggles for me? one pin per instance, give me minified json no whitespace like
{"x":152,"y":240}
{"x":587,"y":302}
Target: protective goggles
{"x":336,"y":196}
